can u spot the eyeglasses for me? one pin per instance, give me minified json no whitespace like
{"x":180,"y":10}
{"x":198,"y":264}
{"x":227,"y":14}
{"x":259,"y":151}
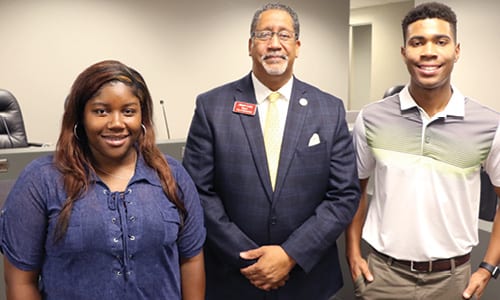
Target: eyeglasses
{"x":267,"y":35}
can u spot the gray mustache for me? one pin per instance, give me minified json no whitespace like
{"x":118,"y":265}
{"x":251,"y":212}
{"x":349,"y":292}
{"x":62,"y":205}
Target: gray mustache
{"x":275,"y":55}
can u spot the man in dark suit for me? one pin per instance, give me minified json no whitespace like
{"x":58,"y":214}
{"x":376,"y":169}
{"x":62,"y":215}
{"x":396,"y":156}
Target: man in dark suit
{"x":272,"y":236}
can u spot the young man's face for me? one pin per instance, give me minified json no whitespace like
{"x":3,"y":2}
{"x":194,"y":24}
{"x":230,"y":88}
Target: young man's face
{"x":430,"y":53}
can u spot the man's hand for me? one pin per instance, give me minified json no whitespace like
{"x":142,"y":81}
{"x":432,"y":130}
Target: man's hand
{"x":477,"y":284}
{"x":358,"y":266}
{"x":271,"y":269}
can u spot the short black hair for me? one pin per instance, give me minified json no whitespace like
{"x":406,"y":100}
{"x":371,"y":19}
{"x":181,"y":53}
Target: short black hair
{"x":430,"y":10}
{"x":277,"y":6}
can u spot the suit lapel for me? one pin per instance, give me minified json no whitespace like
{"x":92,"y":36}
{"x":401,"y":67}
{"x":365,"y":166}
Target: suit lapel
{"x":253,"y":131}
{"x":295,"y":119}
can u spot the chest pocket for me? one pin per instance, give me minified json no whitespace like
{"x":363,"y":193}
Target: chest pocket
{"x":308,"y":159}
{"x":71,"y":242}
{"x":171,"y":221}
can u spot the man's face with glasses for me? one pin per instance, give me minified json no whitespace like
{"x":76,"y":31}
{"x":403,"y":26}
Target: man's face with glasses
{"x":266,"y":35}
{"x":274,"y":45}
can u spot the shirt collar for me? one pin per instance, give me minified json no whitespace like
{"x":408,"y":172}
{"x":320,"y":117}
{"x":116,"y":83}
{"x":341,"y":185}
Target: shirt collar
{"x":455,"y":107}
{"x":142,"y":172}
{"x":145,"y":172}
{"x":262,"y":91}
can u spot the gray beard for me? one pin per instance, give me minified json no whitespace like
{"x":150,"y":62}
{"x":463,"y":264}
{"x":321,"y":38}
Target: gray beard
{"x":273,"y":70}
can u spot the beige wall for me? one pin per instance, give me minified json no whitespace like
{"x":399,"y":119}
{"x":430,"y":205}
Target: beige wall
{"x":476,"y":73}
{"x":181,"y":47}
{"x":186,"y":47}
{"x":387,"y":68}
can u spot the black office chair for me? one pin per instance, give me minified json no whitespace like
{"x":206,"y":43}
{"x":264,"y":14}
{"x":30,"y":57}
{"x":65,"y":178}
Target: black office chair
{"x":12,"y":131}
{"x":393,"y":90}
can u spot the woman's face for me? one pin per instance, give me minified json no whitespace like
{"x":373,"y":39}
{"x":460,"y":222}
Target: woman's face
{"x":112,"y":122}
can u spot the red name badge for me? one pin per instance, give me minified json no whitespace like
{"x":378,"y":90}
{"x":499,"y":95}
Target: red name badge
{"x":244,"y":108}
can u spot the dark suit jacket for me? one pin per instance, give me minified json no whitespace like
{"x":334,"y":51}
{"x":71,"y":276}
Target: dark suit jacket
{"x":316,"y":192}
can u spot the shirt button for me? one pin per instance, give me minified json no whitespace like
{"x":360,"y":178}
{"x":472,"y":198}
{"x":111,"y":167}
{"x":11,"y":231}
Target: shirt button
{"x":131,"y":237}
{"x":113,"y":220}
{"x":427,"y":139}
{"x":273,"y":221}
{"x":116,"y":240}
{"x":132,"y":218}
{"x":119,"y":273}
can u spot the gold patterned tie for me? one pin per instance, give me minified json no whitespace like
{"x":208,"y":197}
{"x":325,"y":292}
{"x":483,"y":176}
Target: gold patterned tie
{"x":272,"y":136}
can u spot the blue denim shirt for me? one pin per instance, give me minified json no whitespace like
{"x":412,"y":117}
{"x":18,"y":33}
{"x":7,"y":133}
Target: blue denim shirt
{"x":119,"y":245}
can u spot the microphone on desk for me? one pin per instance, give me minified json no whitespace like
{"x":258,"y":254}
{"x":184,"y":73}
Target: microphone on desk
{"x":165,"y":117}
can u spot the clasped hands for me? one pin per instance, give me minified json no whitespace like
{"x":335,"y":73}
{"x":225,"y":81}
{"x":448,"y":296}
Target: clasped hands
{"x":271,"y":271}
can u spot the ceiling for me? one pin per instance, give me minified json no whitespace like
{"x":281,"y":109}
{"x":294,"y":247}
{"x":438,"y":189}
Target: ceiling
{"x":364,"y":3}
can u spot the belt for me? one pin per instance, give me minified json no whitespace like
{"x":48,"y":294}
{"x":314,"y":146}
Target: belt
{"x":438,"y":265}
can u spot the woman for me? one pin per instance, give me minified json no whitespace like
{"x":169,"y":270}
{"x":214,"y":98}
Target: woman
{"x":108,"y":216}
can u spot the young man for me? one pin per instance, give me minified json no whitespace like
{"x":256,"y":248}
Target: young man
{"x":423,"y":149}
{"x":272,"y":221}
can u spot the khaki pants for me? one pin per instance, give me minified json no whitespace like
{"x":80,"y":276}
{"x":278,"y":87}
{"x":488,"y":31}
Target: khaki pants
{"x":395,"y":282}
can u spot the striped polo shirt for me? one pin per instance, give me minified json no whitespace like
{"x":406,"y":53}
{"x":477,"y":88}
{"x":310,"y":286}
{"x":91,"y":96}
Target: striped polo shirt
{"x":425,"y":174}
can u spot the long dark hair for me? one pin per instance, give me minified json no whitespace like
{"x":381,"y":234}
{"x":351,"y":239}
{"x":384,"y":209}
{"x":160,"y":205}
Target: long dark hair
{"x":73,"y":157}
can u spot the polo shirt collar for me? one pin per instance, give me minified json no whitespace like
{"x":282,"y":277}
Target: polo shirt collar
{"x":455,"y":107}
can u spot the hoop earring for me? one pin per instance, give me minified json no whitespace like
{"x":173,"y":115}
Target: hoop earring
{"x":144,"y":129}
{"x":75,"y":132}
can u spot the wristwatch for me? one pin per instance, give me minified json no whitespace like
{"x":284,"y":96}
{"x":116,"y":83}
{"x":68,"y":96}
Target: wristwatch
{"x":492,"y":269}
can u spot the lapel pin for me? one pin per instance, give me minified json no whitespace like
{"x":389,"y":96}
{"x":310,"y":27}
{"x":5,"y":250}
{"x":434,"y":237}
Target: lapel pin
{"x":303,"y":101}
